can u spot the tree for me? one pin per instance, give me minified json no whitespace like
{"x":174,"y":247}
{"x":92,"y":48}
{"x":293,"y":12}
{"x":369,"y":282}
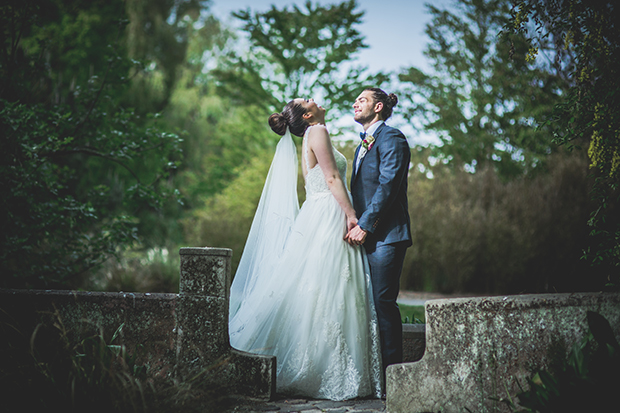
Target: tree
{"x":78,"y":166}
{"x":291,"y":53}
{"x":158,"y":33}
{"x":483,"y":104}
{"x":588,"y":114}
{"x":219,"y":136}
{"x":298,"y":53}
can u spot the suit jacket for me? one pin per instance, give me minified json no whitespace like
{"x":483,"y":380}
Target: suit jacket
{"x":379,"y":189}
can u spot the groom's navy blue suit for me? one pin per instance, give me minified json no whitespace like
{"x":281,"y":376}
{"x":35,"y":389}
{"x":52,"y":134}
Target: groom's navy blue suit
{"x":379,"y":191}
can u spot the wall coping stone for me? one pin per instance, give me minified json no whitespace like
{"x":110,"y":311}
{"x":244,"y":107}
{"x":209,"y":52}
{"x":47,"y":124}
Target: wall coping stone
{"x":482,"y":349}
{"x":212,"y":251}
{"x":414,"y":330}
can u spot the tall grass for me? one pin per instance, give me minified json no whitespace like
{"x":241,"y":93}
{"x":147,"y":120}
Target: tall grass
{"x":412,"y":314}
{"x":49,"y":370}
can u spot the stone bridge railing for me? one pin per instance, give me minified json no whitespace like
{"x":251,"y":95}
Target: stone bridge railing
{"x":478,"y":350}
{"x":181,"y":334}
{"x":481,"y":350}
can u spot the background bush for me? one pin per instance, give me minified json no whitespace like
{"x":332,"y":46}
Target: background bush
{"x":477,"y":233}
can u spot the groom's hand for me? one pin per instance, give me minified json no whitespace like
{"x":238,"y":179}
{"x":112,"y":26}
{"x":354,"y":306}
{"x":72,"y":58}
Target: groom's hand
{"x":356,"y":236}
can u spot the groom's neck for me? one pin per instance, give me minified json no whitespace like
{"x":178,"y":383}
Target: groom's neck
{"x":369,"y":124}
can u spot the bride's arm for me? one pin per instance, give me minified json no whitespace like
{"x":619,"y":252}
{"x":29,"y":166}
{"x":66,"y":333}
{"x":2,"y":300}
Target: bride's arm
{"x":320,"y":144}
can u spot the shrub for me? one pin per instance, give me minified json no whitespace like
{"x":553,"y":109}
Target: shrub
{"x":477,"y":233}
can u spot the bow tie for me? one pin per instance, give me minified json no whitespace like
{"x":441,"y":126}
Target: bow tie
{"x":362,"y":135}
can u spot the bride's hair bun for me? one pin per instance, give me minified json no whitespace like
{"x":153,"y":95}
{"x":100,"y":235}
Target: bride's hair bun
{"x":392,"y":100}
{"x":292,"y":116}
{"x":278,"y":123}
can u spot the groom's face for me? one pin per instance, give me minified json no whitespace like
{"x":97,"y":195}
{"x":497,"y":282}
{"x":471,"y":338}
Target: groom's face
{"x":365,"y":109}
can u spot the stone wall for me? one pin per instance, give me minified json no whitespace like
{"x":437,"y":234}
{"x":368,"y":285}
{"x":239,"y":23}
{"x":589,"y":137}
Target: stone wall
{"x":180,"y":334}
{"x":414,"y":342}
{"x":478,"y":350}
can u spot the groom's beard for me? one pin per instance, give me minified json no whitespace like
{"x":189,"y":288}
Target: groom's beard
{"x":364,"y":119}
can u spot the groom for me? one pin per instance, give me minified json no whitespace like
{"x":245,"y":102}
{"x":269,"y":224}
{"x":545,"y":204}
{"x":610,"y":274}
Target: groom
{"x":379,"y":191}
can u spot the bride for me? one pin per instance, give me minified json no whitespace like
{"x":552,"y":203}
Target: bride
{"x":301,"y":293}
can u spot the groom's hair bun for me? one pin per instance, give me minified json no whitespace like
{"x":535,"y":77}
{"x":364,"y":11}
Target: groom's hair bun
{"x":389,"y":101}
{"x":278,"y":123}
{"x":392,"y":100}
{"x":291,"y":116}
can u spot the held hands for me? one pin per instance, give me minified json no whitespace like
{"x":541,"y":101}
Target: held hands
{"x":356,"y":235}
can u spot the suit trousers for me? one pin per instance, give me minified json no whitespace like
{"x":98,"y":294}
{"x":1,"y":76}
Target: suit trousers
{"x":386,"y":265}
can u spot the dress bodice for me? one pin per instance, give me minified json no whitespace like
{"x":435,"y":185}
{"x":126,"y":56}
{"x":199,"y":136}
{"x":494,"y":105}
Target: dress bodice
{"x":315,"y":179}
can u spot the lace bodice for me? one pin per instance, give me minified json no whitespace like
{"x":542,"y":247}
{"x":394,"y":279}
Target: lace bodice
{"x":315,"y":179}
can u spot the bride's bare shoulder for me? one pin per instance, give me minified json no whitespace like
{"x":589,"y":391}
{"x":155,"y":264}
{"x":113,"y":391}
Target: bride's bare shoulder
{"x":318,"y":131}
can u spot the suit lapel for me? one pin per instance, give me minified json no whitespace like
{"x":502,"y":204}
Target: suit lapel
{"x":376,"y":136}
{"x":354,"y":171}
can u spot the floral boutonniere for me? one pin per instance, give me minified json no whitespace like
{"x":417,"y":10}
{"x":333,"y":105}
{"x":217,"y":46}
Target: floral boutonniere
{"x":368,"y":141}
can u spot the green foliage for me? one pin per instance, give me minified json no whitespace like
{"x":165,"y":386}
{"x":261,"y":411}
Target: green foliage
{"x":588,"y":114}
{"x":158,"y":36}
{"x":218,"y":136}
{"x":225,"y":219}
{"x":78,"y":167}
{"x":50,"y":47}
{"x":59,"y":223}
{"x":240,"y":137}
{"x":483,"y":104}
{"x":477,"y":233}
{"x":155,"y":270}
{"x":413,"y":314}
{"x":586,"y":381}
{"x":298,"y":53}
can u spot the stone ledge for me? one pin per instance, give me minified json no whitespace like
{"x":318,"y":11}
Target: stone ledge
{"x":414,"y":331}
{"x":484,"y":348}
{"x":224,"y":252}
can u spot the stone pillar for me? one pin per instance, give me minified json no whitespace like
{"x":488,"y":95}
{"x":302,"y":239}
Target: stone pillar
{"x":202,"y":326}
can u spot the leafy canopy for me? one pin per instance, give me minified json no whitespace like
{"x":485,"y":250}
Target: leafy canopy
{"x":588,"y":115}
{"x":298,"y":53}
{"x":80,"y":168}
{"x":483,"y":100}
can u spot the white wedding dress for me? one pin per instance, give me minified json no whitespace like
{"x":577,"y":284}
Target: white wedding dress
{"x":309,"y":303}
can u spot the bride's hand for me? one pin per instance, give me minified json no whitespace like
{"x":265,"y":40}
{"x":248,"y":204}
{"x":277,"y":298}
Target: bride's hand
{"x":351,"y":223}
{"x":356,"y":236}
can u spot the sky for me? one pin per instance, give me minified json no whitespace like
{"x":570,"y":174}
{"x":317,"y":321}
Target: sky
{"x":394,"y":32}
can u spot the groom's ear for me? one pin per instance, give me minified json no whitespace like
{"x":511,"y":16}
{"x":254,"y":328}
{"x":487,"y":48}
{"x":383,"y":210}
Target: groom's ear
{"x":378,"y":107}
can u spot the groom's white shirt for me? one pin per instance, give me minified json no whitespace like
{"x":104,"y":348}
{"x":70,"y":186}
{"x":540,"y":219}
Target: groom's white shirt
{"x":370,"y":131}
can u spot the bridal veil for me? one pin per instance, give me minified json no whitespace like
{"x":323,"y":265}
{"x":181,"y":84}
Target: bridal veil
{"x":277,"y":209}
